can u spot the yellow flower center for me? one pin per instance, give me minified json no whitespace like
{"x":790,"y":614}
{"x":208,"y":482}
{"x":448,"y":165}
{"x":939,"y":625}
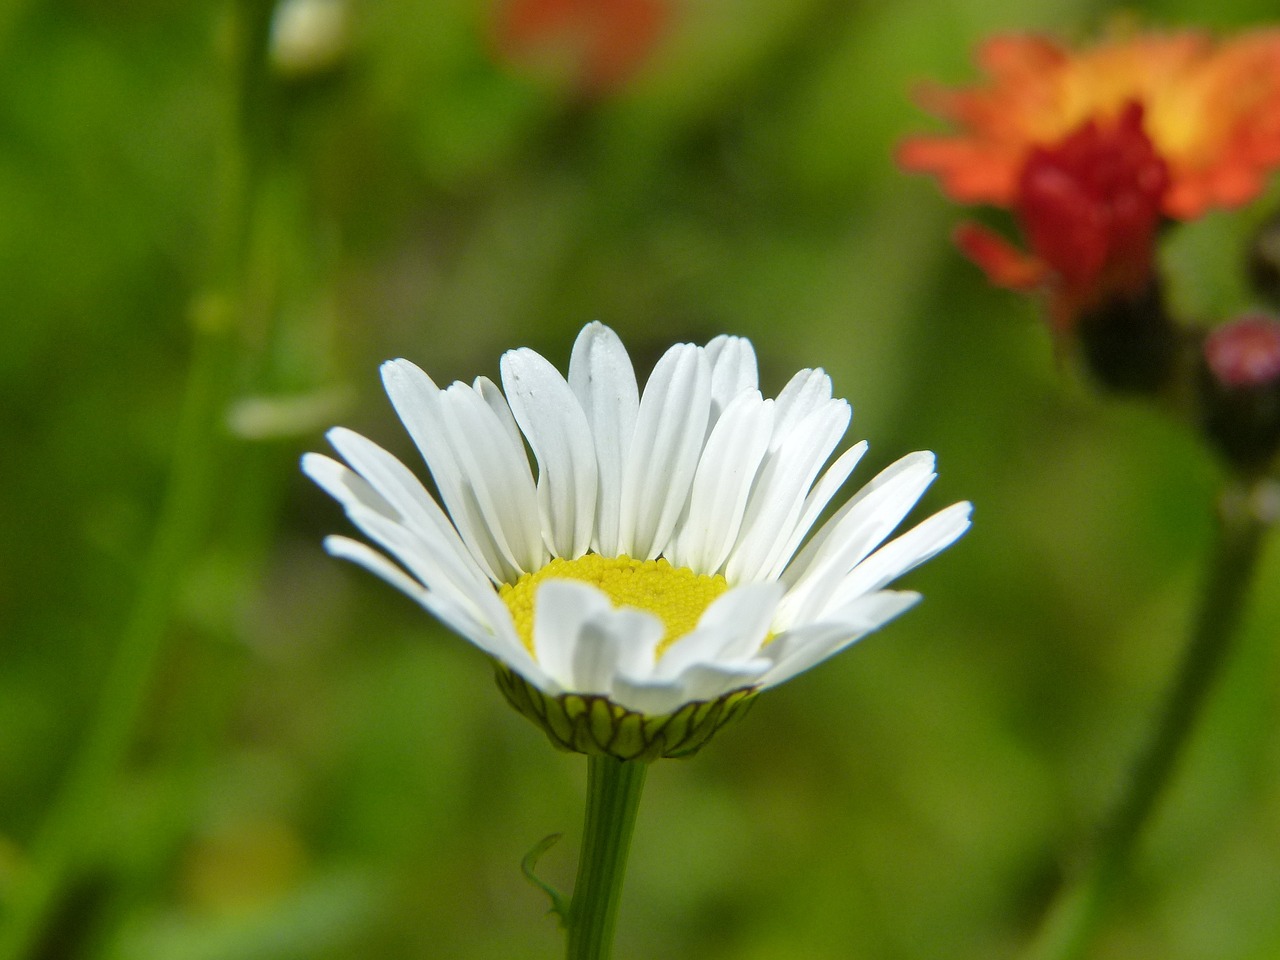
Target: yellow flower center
{"x":676,"y":595}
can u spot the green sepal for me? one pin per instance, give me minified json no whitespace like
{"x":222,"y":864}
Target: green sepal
{"x":596,"y":726}
{"x":559,"y":902}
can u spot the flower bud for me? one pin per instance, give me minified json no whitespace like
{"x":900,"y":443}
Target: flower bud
{"x":309,"y":37}
{"x":1242,"y":394}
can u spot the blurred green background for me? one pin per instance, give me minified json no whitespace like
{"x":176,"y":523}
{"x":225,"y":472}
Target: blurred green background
{"x":319,"y":771}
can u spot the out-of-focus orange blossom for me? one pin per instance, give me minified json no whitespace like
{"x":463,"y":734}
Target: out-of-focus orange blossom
{"x":595,"y":46}
{"x":1211,"y":110}
{"x":1089,"y":207}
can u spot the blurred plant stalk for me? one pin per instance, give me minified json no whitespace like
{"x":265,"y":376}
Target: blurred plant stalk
{"x":75,"y":818}
{"x":1247,"y":510}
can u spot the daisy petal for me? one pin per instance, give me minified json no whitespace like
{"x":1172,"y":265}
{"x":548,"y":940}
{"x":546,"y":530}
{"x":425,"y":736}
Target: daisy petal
{"x":778,"y":498}
{"x":376,"y":563}
{"x":618,"y":641}
{"x":807,"y":391}
{"x":849,"y":536}
{"x":710,"y":681}
{"x":702,"y":682}
{"x":670,"y":427}
{"x":733,"y":370}
{"x":903,"y":553}
{"x":648,"y":696}
{"x":577,"y":635}
{"x":416,"y":400}
{"x":602,"y":378}
{"x":796,"y":651}
{"x":501,"y":643}
{"x":832,"y":480}
{"x":344,"y":485}
{"x":723,"y":483}
{"x":490,"y":394}
{"x":553,"y":421}
{"x":402,"y":491}
{"x":434,"y":566}
{"x":496,"y":476}
{"x":435,"y":558}
{"x":733,"y":628}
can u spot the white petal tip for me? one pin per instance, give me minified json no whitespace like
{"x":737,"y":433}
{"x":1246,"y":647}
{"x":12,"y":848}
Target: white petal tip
{"x":399,"y":370}
{"x":922,"y":457}
{"x":959,"y":516}
{"x":309,"y":463}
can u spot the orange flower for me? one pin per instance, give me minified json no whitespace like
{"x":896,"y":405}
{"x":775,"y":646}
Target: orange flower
{"x":597,"y":44}
{"x":1089,"y":207}
{"x":1211,"y":111}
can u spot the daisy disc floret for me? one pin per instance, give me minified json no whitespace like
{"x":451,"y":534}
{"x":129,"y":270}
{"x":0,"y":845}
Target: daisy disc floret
{"x":661,"y":565}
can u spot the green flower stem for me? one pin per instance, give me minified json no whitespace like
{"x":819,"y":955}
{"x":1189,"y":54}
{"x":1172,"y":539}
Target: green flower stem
{"x":1245,"y":513}
{"x":613,"y":798}
{"x":67,"y":838}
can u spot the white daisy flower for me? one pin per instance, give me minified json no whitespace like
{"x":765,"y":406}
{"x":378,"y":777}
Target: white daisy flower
{"x":659,"y":569}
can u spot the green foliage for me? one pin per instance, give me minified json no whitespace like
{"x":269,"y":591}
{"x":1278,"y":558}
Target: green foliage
{"x":322,"y":771}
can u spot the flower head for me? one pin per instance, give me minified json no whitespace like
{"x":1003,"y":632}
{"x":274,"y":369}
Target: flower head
{"x":1089,"y":207}
{"x":663,"y":566}
{"x":1210,"y":110}
{"x":1092,"y":150}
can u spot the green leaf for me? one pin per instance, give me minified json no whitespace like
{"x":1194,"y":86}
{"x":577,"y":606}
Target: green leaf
{"x":559,"y":903}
